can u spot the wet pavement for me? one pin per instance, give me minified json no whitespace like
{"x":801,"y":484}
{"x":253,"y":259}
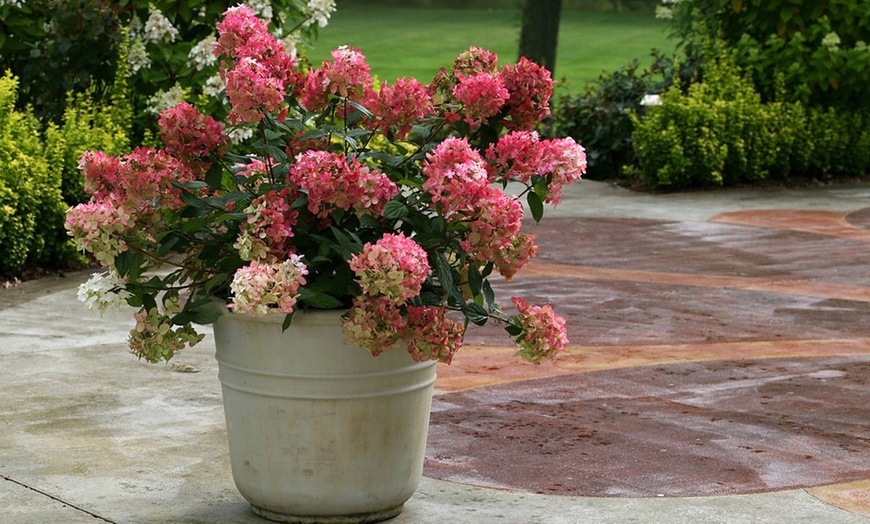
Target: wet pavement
{"x":717,"y":372}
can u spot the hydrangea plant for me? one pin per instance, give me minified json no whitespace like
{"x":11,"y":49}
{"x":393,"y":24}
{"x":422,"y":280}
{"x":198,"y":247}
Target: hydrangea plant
{"x":389,"y":201}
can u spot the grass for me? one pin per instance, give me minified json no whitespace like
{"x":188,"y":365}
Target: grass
{"x":416,"y":42}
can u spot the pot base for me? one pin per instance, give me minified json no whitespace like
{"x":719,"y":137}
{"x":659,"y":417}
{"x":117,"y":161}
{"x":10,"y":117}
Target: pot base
{"x":363,"y":518}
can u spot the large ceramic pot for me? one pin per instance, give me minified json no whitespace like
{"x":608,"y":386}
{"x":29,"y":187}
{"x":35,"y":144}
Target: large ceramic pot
{"x":320,"y":431}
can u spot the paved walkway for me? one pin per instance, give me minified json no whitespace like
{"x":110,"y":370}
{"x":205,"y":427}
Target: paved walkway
{"x":718,"y":373}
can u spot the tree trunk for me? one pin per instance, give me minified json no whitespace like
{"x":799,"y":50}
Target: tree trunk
{"x":540,"y":31}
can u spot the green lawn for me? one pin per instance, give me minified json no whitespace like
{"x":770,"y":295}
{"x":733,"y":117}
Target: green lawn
{"x":416,"y":42}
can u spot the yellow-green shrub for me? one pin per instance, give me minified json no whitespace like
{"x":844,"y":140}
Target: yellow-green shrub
{"x":721,"y":133}
{"x":31,"y":207}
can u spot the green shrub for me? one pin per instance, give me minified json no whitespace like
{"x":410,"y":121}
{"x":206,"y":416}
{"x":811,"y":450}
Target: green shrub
{"x":841,"y":142}
{"x":819,"y":50}
{"x":600,"y":117}
{"x":31,"y":207}
{"x":678,"y":144}
{"x":721,"y":133}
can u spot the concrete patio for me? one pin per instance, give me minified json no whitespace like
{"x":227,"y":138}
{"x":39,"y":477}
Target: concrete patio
{"x":717,"y":373}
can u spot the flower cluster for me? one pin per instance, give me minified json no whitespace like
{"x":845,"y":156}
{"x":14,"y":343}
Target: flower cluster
{"x":332,"y":182}
{"x":398,"y":106}
{"x":326,"y":190}
{"x":430,"y":335}
{"x":189,"y":134}
{"x":522,"y":156}
{"x":394,"y":267}
{"x":543,"y":331}
{"x":257,"y":70}
{"x":346,"y":75}
{"x":103,"y":291}
{"x":268,"y":229}
{"x":158,"y":27}
{"x":156,"y":338}
{"x":518,"y":94}
{"x":99,"y":228}
{"x":258,"y":288}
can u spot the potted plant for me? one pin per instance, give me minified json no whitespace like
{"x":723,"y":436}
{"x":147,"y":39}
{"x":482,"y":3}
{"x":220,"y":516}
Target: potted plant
{"x":344,"y":247}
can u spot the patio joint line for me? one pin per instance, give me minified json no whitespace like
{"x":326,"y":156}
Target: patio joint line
{"x":56,"y":499}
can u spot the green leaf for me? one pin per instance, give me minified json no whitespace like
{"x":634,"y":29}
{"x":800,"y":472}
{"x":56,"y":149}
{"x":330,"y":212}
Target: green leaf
{"x":286,"y":324}
{"x":395,"y":210}
{"x":513,"y":330}
{"x":475,"y":280}
{"x":318,"y":300}
{"x":489,"y":294}
{"x":347,"y":242}
{"x":475,"y":313}
{"x":129,"y":265}
{"x":536,"y":205}
{"x":214,"y":176}
{"x":360,"y":108}
{"x":204,"y":312}
{"x":444,"y":272}
{"x":192,"y":200}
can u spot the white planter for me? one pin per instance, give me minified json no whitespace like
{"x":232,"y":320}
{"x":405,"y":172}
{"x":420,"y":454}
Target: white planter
{"x":320,"y":431}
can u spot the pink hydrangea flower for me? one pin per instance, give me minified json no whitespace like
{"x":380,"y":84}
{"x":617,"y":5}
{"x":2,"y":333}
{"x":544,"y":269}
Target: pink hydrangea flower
{"x":530,"y":87}
{"x":456,"y":177}
{"x":497,"y":221}
{"x":398,"y":106}
{"x":511,"y":258}
{"x":98,"y":227}
{"x":517,"y":156}
{"x":475,"y":60}
{"x":142,"y":181}
{"x":565,"y":159}
{"x":430,"y":335}
{"x":238,"y":27}
{"x":258,"y":72}
{"x":544,"y":333}
{"x":470,"y":62}
{"x":188,"y":133}
{"x":374,"y":323}
{"x":255,"y":168}
{"x":253,"y":91}
{"x":101,"y":172}
{"x":266,"y":234}
{"x":347,"y":75}
{"x":259,"y":289}
{"x":334,"y":183}
{"x":482,"y":96}
{"x":394,"y":267}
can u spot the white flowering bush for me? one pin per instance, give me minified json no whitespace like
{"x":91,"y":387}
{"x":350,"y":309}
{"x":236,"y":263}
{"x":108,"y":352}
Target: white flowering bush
{"x":387,"y":201}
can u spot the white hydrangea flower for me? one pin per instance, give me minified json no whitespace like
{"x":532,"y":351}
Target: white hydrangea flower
{"x":291,"y":44}
{"x":202,"y":54}
{"x":103,"y":291}
{"x":261,"y":8}
{"x":213,"y":86}
{"x":664,"y":13}
{"x":240,"y":134}
{"x":318,"y":11}
{"x":158,"y":26}
{"x":12,"y":3}
{"x":165,"y":99}
{"x":137,"y":57}
{"x":135,"y":26}
{"x":832,"y":42}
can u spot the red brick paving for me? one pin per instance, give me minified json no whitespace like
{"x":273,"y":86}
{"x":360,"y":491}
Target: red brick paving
{"x":707,"y":358}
